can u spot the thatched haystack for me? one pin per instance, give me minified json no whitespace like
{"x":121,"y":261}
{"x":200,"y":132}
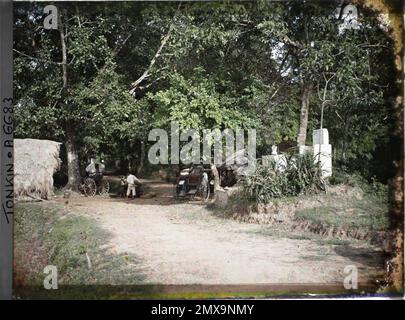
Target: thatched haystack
{"x":35,"y":162}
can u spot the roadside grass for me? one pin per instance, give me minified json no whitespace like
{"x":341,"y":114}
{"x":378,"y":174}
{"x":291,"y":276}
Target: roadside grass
{"x":278,"y":232}
{"x":368,"y":213}
{"x":347,"y":208}
{"x":76,"y":245}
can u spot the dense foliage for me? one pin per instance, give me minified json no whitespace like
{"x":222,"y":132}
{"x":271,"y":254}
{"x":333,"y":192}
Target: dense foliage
{"x":299,"y":175}
{"x":132,"y":66}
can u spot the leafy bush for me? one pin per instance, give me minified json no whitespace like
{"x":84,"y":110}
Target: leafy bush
{"x":379,"y":189}
{"x":343,"y":175}
{"x":371,"y":187}
{"x":301,"y":176}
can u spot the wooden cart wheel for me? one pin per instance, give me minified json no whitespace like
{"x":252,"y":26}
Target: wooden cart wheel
{"x":89,"y":187}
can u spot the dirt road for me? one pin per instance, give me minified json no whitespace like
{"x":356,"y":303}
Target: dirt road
{"x":185,"y":243}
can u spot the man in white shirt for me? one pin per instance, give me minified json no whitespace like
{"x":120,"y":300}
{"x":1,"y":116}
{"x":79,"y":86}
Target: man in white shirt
{"x":131,"y":180}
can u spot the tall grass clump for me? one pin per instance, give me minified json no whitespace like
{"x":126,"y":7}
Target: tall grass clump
{"x":301,"y":175}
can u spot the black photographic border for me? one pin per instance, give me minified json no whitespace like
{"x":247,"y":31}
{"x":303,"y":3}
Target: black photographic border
{"x":6,"y":150}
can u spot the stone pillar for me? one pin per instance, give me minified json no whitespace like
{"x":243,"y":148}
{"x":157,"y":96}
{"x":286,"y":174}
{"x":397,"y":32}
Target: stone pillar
{"x":322,"y":151}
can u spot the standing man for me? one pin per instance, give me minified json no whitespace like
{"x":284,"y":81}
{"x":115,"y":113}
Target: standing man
{"x":131,"y":180}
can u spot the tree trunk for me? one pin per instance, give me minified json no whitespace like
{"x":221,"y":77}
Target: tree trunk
{"x":62,"y":36}
{"x":145,"y":75}
{"x":395,"y":264}
{"x":305,"y":95}
{"x":345,"y":135}
{"x":142,"y":158}
{"x":74,"y":178}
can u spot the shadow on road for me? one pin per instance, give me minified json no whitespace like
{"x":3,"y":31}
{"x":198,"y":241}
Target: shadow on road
{"x":370,"y":257}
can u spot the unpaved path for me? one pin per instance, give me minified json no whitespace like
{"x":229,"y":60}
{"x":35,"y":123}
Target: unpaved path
{"x":184,"y":243}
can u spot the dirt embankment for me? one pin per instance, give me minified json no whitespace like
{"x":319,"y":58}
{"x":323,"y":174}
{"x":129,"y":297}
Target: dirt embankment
{"x":344,"y":200}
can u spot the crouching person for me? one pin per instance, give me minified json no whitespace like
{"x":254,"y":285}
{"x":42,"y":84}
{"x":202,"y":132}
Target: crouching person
{"x":131,"y":190}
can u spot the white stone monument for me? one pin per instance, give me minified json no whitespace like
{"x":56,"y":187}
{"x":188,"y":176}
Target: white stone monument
{"x":320,"y":136}
{"x":322,"y":151}
{"x":279,"y":160}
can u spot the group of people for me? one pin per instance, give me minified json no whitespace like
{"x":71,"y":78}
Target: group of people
{"x":129,"y":184}
{"x":95,"y":170}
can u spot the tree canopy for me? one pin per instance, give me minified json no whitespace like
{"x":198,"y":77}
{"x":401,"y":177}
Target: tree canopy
{"x":112,"y":72}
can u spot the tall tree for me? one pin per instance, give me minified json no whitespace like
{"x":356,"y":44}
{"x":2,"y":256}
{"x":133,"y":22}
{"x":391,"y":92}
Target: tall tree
{"x":55,"y":69}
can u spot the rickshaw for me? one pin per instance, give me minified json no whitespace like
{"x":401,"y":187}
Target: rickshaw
{"x":194,"y":182}
{"x":94,"y":181}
